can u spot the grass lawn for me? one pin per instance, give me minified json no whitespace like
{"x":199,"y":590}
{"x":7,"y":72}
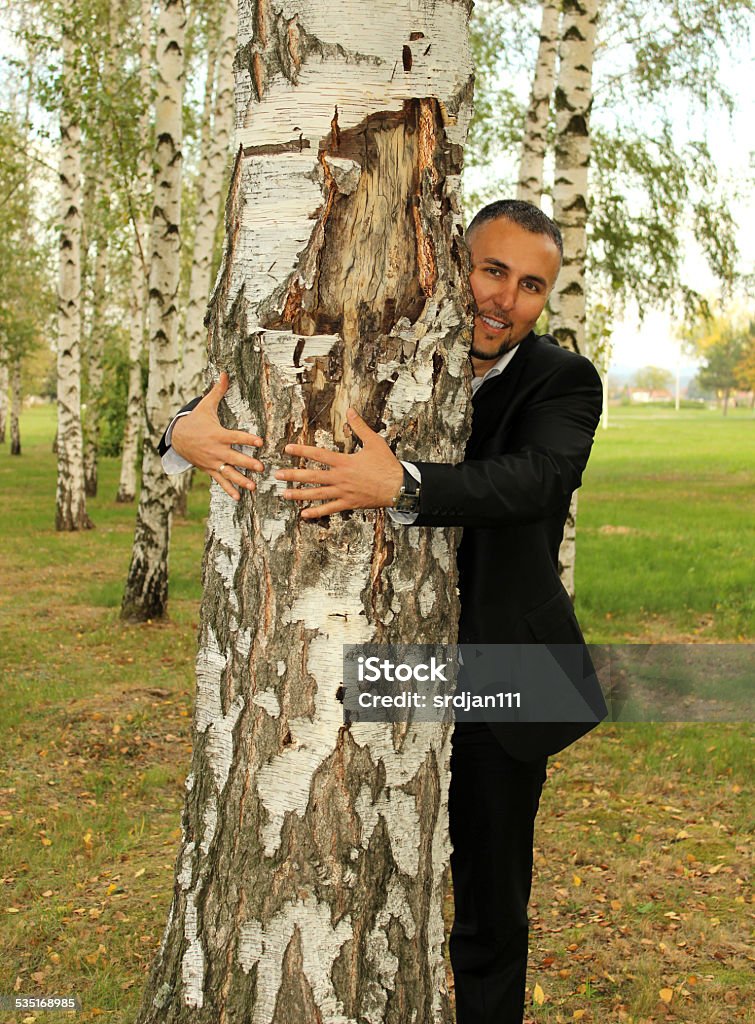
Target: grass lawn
{"x":641,"y":908}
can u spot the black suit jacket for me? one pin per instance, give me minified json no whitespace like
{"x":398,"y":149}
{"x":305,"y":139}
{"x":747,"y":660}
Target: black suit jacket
{"x":532,"y":430}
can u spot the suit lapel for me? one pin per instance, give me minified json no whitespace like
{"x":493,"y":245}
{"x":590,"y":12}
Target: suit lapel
{"x":492,"y":403}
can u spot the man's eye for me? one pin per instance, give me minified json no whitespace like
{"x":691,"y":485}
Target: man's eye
{"x":494,"y":271}
{"x":530,"y":286}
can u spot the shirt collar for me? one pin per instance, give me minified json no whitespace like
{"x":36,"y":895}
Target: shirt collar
{"x":499,"y":367}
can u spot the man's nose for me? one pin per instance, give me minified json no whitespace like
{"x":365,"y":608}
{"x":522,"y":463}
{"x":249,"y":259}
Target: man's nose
{"x":505,"y":295}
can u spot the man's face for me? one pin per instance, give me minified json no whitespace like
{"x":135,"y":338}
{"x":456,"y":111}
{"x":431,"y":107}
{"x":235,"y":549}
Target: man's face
{"x":513,"y":271}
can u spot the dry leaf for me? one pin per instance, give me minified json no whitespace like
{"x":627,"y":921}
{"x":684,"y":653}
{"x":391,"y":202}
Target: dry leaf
{"x":579,"y":1014}
{"x":576,"y":879}
{"x":666,"y":994}
{"x":538,"y":996}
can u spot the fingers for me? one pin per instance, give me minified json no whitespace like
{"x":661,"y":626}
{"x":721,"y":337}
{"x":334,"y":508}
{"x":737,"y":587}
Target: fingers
{"x":242,"y":437}
{"x":238,"y":479}
{"x":321,"y":455}
{"x":310,"y":493}
{"x":225,"y":484}
{"x":215,"y":395}
{"x":328,"y":509}
{"x":303,"y":476}
{"x":360,"y":428}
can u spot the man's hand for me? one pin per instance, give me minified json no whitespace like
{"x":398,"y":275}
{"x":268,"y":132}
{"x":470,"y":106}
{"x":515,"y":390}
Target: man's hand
{"x":201,"y":440}
{"x":370,"y":478}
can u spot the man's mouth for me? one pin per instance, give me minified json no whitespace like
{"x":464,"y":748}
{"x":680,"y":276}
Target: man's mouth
{"x":494,"y":323}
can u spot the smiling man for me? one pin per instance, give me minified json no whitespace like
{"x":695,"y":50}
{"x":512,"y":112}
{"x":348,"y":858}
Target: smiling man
{"x":535,"y":410}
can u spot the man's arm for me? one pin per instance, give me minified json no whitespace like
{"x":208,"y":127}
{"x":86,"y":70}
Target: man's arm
{"x":199,"y":438}
{"x":549,"y":450}
{"x":550,"y":447}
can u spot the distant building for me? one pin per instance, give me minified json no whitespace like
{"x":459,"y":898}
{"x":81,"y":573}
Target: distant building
{"x":644,"y":397}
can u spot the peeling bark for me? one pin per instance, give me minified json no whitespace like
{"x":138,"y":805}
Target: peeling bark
{"x":70,"y":504}
{"x":146,"y":592}
{"x":310,"y":879}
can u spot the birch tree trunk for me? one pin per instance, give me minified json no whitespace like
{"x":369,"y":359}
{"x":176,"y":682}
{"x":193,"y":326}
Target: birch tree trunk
{"x":96,"y":352}
{"x":15,"y":405}
{"x":212,"y":168}
{"x":309,"y":883}
{"x":216,"y":140}
{"x":70,"y":510}
{"x":146,"y":592}
{"x":570,"y":203}
{"x":4,"y":382}
{"x":535,"y":137}
{"x":139,"y":275}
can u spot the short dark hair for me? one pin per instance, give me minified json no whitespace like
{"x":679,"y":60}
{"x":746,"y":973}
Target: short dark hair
{"x":526,"y":215}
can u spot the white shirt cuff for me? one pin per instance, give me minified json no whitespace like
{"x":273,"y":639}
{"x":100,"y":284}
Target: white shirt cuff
{"x":405,"y":518}
{"x":173,"y":463}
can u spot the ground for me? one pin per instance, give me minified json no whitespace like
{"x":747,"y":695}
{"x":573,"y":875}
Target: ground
{"x":641,"y":908}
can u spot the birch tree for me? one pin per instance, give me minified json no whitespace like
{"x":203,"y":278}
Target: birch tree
{"x":4,"y":382}
{"x":309,"y":882}
{"x":535,"y":134}
{"x":146,"y":591}
{"x":139,"y":269}
{"x":217,"y":124}
{"x":573,"y":101}
{"x":215,"y":152}
{"x":70,"y":510}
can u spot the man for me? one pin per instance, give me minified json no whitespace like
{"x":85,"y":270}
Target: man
{"x":536,"y":408}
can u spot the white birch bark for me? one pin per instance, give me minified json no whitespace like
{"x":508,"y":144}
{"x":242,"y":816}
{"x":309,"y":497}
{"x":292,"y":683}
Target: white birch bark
{"x":570,"y":195}
{"x":146,"y":591}
{"x":70,"y":510}
{"x":15,"y":405}
{"x":535,"y":136}
{"x":212,"y":167}
{"x":95,"y":355}
{"x":4,"y":383}
{"x":215,"y":151}
{"x":310,"y":879}
{"x":139,"y":274}
{"x":570,"y":203}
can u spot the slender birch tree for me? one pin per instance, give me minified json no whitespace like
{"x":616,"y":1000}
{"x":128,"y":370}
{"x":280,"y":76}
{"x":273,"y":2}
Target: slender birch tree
{"x":309,"y":883}
{"x":217,"y":124}
{"x":4,"y":383}
{"x":139,"y":268}
{"x":535,"y":134}
{"x":15,"y":405}
{"x":573,"y":101}
{"x":146,"y":592}
{"x":214,"y":156}
{"x":70,"y":511}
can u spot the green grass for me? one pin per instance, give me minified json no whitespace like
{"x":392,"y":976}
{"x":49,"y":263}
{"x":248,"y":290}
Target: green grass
{"x":654,"y":821}
{"x":666,"y":528}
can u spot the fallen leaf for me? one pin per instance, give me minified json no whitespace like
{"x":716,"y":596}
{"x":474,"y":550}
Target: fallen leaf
{"x":666,"y":994}
{"x":538,"y":996}
{"x":576,"y":879}
{"x":579,"y":1014}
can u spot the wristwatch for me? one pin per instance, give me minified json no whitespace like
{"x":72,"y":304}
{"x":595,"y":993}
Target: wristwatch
{"x":407,"y":499}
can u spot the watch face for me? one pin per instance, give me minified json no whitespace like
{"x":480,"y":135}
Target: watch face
{"x":407,"y":503}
